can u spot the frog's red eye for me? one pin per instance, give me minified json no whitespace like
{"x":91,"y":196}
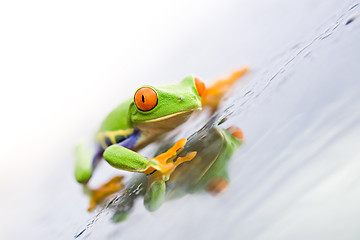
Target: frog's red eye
{"x":145,"y":99}
{"x":200,"y":86}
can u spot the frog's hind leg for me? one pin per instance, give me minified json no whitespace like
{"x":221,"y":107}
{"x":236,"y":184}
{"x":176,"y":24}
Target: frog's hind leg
{"x":100,"y":194}
{"x":85,"y":162}
{"x":215,"y":93}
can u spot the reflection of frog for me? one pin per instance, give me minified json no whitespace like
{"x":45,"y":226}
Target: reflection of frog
{"x":214,"y":148}
{"x":207,"y":171}
{"x":152,"y":112}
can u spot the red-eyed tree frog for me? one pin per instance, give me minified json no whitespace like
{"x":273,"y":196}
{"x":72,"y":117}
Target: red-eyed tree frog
{"x":143,"y":119}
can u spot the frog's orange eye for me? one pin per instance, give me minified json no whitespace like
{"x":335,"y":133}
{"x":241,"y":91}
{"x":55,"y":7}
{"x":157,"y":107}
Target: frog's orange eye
{"x":200,"y":86}
{"x":145,"y":99}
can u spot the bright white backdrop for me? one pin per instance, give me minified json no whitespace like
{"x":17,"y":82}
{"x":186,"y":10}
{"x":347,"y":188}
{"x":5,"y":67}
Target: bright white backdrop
{"x":65,"y":65}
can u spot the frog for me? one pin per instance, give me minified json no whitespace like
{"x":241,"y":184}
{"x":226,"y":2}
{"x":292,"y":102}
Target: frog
{"x":207,"y":172}
{"x":145,"y":118}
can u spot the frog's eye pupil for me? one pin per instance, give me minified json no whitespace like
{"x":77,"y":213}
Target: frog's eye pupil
{"x":145,"y":98}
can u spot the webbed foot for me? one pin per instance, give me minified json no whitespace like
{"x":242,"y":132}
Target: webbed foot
{"x":213,"y":95}
{"x":165,"y":163}
{"x":126,"y":159}
{"x":100,"y":194}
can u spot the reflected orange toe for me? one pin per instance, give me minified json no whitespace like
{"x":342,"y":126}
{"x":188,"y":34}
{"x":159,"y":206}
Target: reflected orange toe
{"x":165,"y":162}
{"x":217,"y":186}
{"x":172,"y":152}
{"x":236,"y":132}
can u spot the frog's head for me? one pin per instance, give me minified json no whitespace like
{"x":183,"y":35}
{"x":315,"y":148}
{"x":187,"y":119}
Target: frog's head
{"x":164,"y":108}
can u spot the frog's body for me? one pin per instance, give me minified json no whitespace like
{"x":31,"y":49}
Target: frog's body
{"x":138,"y":121}
{"x":115,"y":128}
{"x":207,"y":171}
{"x":214,"y":149}
{"x":174,"y":105}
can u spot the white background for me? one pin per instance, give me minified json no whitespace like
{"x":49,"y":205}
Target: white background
{"x":64,"y":65}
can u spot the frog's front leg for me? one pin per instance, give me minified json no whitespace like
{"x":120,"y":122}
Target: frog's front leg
{"x":159,"y":167}
{"x":125,"y":159}
{"x":128,"y":160}
{"x":155,"y":195}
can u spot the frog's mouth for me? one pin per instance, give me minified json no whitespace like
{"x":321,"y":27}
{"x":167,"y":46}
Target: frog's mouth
{"x":180,"y":116}
{"x":154,"y":128}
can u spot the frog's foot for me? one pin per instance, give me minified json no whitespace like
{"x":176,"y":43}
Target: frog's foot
{"x":126,"y":159}
{"x":100,"y":194}
{"x":217,"y":185}
{"x":213,"y":95}
{"x":155,"y":195}
{"x":236,"y":132}
{"x":83,"y":164}
{"x":165,"y":163}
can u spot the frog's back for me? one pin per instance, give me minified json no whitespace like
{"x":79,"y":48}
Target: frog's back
{"x":116,"y":127}
{"x":118,"y":119}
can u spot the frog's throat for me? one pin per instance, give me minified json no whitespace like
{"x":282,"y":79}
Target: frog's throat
{"x":154,"y":129}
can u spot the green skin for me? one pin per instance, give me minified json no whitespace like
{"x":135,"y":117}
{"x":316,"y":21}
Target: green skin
{"x":171,"y":99}
{"x":214,"y":151}
{"x":175,"y":103}
{"x":214,"y":148}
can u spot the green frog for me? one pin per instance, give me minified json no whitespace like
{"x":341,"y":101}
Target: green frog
{"x":138,"y":121}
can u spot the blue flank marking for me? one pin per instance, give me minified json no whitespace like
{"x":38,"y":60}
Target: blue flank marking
{"x":131,"y":140}
{"x":128,"y":142}
{"x":97,"y":156}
